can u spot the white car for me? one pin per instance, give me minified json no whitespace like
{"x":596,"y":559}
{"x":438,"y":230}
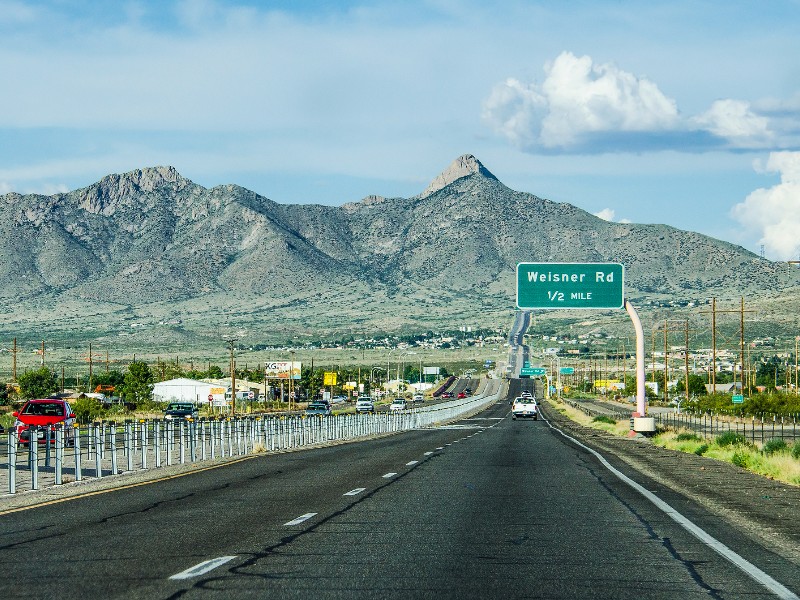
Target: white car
{"x":418,"y":398}
{"x":364,"y":404}
{"x":398,"y":404}
{"x":524,"y":408}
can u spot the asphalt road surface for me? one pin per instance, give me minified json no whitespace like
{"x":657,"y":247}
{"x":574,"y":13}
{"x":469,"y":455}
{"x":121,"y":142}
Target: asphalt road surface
{"x":486,"y":508}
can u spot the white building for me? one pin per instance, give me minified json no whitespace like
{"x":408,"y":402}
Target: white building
{"x":183,"y":390}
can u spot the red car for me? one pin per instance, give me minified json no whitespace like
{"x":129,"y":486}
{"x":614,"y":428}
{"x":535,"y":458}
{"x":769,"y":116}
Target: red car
{"x":44,"y":413}
{"x":461,"y":395}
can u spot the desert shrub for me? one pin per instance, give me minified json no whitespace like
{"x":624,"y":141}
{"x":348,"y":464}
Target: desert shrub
{"x":740,"y":458}
{"x":686,"y":436}
{"x":701,"y":450}
{"x":796,"y":450}
{"x":604,"y":419}
{"x":87,"y":409}
{"x":731,"y":438}
{"x":775,"y":445}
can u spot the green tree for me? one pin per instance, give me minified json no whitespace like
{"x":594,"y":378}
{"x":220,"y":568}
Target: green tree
{"x":697,"y":385}
{"x":138,"y":384}
{"x":37,"y":384}
{"x":87,"y":409}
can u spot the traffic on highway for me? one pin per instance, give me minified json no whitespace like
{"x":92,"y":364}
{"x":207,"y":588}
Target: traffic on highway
{"x":475,"y":503}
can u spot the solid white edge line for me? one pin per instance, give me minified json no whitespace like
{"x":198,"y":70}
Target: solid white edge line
{"x":354,"y":492}
{"x":743,"y":564}
{"x":202,"y":568}
{"x":388,"y":475}
{"x":300,"y":519}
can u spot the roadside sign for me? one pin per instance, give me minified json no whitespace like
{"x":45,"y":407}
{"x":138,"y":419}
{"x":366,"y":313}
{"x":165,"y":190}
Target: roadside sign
{"x":570,"y":285}
{"x":211,"y":397}
{"x":329,"y":378}
{"x":532,"y":371}
{"x":251,"y":395}
{"x":527,"y":364}
{"x":738,"y":399}
{"x":567,"y":370}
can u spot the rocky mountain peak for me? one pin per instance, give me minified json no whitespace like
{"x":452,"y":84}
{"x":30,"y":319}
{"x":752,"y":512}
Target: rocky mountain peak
{"x":463,"y":166}
{"x":116,"y":189}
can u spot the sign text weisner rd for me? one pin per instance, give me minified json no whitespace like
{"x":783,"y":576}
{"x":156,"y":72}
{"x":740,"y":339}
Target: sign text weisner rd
{"x":570,"y":285}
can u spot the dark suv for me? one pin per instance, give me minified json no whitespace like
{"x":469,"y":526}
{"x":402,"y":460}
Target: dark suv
{"x":181,"y":410}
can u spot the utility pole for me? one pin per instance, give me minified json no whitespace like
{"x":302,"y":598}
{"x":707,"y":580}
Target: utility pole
{"x":666,"y":361}
{"x":231,"y":343}
{"x":686,"y":357}
{"x":14,"y":361}
{"x":796,"y":340}
{"x":90,"y":366}
{"x":714,"y":312}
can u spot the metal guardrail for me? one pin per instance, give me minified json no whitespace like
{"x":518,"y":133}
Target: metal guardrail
{"x":755,"y":429}
{"x":710,"y":425}
{"x":108,"y":448}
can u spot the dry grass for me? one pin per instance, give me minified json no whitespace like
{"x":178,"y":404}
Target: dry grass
{"x":780,"y":466}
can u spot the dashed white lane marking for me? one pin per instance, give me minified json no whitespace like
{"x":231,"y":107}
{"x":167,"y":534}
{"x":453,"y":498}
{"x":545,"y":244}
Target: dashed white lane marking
{"x":744,"y":565}
{"x":202,"y":568}
{"x":411,"y":463}
{"x":428,"y":453}
{"x":389,"y":475}
{"x":354,"y":492}
{"x":300,"y":519}
{"x":440,"y":448}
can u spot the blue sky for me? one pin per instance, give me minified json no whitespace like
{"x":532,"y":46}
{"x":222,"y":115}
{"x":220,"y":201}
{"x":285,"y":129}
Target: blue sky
{"x":682,"y":112}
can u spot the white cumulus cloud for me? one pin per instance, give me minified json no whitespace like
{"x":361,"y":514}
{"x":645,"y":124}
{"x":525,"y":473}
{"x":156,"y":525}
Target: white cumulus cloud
{"x":607,"y":214}
{"x":774,"y":213}
{"x":576,"y":98}
{"x":735,"y":121}
{"x":582,"y":105}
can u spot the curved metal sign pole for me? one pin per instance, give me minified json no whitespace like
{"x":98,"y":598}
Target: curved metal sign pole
{"x":641,"y":406}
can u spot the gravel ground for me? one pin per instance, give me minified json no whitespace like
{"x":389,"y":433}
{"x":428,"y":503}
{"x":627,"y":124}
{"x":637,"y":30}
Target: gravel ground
{"x":765,"y":510}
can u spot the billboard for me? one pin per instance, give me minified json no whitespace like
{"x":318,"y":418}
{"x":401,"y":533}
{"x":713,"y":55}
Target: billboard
{"x":329,"y":378}
{"x":430,"y":370}
{"x":282,"y":370}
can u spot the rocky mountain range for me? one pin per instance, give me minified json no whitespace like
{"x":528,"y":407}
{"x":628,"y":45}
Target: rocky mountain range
{"x":151,"y":242}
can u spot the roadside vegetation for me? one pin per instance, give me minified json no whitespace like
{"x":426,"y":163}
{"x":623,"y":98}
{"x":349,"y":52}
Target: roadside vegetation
{"x":776,"y":459}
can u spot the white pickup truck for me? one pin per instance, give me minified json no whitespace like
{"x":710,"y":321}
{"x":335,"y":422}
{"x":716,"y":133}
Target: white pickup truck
{"x":525,"y":407}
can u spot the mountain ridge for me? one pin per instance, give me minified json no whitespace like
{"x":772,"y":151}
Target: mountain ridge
{"x":152,"y":236}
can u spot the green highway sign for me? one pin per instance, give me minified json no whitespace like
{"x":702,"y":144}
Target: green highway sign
{"x":738,"y":399}
{"x":567,"y":370}
{"x":570,"y":285}
{"x":532,"y":371}
{"x":526,"y":364}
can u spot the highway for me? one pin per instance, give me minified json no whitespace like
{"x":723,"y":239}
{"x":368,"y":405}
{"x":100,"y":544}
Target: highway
{"x":484,"y":508}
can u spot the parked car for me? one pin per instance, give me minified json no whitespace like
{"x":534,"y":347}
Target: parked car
{"x":43,"y":413}
{"x":461,"y":395}
{"x":318,"y":408}
{"x":398,"y":404}
{"x":364,"y":404}
{"x":181,"y":410}
{"x":339,"y":399}
{"x":447,"y":395}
